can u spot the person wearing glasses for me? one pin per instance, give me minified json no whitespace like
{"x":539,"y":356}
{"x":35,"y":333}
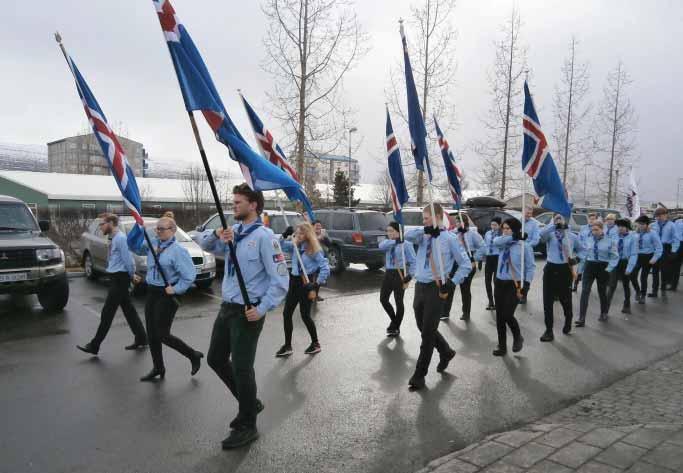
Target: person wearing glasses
{"x":121,"y":269}
{"x":161,"y":305}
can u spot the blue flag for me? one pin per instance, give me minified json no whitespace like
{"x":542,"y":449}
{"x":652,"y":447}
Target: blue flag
{"x":399,"y":193}
{"x":199,"y":93}
{"x":538,"y":163}
{"x":452,"y":170}
{"x":418,"y":132}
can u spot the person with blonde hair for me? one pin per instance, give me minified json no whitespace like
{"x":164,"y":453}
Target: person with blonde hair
{"x":303,"y":284}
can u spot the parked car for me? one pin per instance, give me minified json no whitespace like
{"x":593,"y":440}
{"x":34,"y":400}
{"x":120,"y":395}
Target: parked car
{"x":94,"y":247}
{"x":30,"y":263}
{"x":601,"y":211}
{"x":412,"y":218}
{"x":355,"y":236}
{"x":576,"y":221}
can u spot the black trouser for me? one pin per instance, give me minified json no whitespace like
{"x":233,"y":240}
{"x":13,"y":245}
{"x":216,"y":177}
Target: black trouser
{"x":557,"y":283}
{"x":619,"y":274}
{"x":676,"y":276}
{"x":663,"y":268}
{"x":392,"y":283}
{"x":118,"y":295}
{"x":489,"y":274}
{"x":427,"y":306}
{"x":231,"y":355}
{"x":465,"y":294}
{"x":643,"y":266}
{"x":297,"y":295}
{"x":594,"y":271}
{"x":160,"y":310}
{"x":506,"y":304}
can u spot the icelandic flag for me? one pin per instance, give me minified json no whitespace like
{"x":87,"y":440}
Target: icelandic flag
{"x":199,"y":93}
{"x":452,"y":171}
{"x":538,"y":163}
{"x":114,"y":154}
{"x":416,"y":124}
{"x":399,"y":193}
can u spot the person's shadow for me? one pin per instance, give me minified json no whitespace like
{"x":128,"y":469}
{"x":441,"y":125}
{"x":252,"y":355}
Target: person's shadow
{"x":281,"y":393}
{"x":395,"y":367}
{"x":537,"y":392}
{"x":432,"y":425}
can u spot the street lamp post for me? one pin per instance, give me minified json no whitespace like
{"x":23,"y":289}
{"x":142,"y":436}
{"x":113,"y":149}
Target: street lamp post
{"x":351,"y":130}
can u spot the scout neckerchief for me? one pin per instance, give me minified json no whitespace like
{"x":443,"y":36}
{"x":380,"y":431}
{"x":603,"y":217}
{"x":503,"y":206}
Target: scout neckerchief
{"x":239,"y":236}
{"x":596,"y":241}
{"x":620,"y":246}
{"x":559,"y":236}
{"x":508,"y":267}
{"x":429,"y":260}
{"x":392,"y":255}
{"x":163,"y":246}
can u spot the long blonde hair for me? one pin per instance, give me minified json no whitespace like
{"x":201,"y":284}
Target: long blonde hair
{"x":310,"y":238}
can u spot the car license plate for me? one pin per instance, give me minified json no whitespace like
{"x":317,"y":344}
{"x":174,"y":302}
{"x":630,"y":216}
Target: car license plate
{"x":380,"y":239}
{"x":12,"y":277}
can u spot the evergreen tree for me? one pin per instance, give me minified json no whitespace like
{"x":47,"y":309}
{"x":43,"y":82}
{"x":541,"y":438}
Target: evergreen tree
{"x":341,"y":190}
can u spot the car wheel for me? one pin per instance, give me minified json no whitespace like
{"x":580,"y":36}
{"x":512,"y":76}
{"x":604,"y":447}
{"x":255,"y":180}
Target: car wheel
{"x":90,"y":272}
{"x":54,"y":296}
{"x":374,"y":266}
{"x":335,"y":260}
{"x":204,"y":284}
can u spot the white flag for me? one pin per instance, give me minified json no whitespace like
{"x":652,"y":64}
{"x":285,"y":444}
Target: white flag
{"x":632,"y":199}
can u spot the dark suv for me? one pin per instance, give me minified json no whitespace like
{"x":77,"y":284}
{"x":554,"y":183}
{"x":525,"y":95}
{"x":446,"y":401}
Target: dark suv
{"x":355,"y":236}
{"x":30,"y":263}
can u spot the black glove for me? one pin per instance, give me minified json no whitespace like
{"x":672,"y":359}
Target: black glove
{"x":311,"y":286}
{"x":462,"y":230}
{"x":288,"y":232}
{"x":447,"y":287}
{"x":525,"y":288}
{"x":572,"y":261}
{"x":524,"y":236}
{"x":433,"y":231}
{"x":561,"y":226}
{"x":407,"y":279}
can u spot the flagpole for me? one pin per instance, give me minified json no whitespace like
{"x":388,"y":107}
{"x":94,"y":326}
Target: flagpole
{"x":403,"y":252}
{"x":436,"y":240}
{"x":219,"y":207}
{"x":464,"y":238}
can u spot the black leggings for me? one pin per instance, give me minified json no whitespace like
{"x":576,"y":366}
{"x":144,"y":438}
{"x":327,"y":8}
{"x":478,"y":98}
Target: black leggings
{"x":392,"y":283}
{"x":506,"y":304}
{"x":643,"y":266}
{"x":298,"y":296}
{"x":489,"y":274}
{"x":465,"y":294}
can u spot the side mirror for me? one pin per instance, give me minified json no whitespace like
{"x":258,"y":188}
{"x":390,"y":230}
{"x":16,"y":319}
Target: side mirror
{"x":44,"y":225}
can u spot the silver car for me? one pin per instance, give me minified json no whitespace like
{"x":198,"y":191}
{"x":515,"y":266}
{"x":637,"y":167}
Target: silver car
{"x":94,"y":248}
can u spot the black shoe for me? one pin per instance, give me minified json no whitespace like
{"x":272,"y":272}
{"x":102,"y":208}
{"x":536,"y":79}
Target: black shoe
{"x":603,"y":318}
{"x":580,"y":323}
{"x":416,"y":382}
{"x":653,"y":295}
{"x":517,"y":344}
{"x":500,"y":352}
{"x":444,"y":318}
{"x":547,"y":336}
{"x":443,"y":362}
{"x":626,"y":309}
{"x":465,"y":317}
{"x":641,"y":299}
{"x":88,"y":348}
{"x":135,"y":345}
{"x":196,"y":362}
{"x":285,"y":350}
{"x":153,"y":374}
{"x":240,"y":437}
{"x":319,"y":299}
{"x":313,"y":348}
{"x":567,"y":326}
{"x":259,"y":408}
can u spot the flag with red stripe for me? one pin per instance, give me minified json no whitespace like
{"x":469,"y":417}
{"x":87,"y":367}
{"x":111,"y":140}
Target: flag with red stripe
{"x":399,"y":193}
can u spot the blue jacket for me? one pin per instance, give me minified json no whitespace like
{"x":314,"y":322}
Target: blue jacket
{"x":175,"y":261}
{"x":510,"y":259}
{"x":312,"y":263}
{"x":262,"y":263}
{"x":451,"y":251}
{"x":602,"y":249}
{"x":488,"y":248}
{"x":393,"y":253}
{"x":667,"y":234}
{"x":120,"y":259}
{"x":648,"y":243}
{"x":560,"y":244}
{"x":533,"y":232}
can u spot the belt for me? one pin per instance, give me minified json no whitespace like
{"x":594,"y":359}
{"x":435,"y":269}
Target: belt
{"x":426,"y":284}
{"x":232,"y":305}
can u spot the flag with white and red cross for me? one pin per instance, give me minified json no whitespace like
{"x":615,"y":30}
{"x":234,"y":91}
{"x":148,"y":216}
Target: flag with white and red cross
{"x":453,"y":172}
{"x":399,"y":193}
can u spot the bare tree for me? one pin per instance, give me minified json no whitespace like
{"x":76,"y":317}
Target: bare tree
{"x":196,"y":190}
{"x":382,"y":192}
{"x":616,"y":124}
{"x":503,"y":122}
{"x":311,"y":45}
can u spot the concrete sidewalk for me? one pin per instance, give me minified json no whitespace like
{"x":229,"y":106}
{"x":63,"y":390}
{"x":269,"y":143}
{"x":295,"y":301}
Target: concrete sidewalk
{"x":633,"y":426}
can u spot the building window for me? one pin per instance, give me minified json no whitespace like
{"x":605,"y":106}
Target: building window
{"x":85,"y":205}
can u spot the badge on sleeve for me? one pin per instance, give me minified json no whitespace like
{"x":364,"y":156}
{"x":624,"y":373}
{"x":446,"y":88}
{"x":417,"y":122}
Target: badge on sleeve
{"x":276,"y":246}
{"x":282,"y":269}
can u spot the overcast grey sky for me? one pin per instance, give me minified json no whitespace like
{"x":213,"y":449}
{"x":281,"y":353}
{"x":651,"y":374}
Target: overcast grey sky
{"x":119,"y":48}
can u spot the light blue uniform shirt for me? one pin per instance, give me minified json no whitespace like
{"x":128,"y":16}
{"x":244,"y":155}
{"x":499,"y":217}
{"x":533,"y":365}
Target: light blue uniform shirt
{"x":612,"y":231}
{"x":451,"y":251}
{"x":510,"y":259}
{"x":312,"y":263}
{"x":584,"y":233}
{"x":262,"y":263}
{"x":394,"y":255}
{"x":648,"y":243}
{"x":626,"y":249}
{"x":120,"y":259}
{"x":470,"y":240}
{"x":488,"y":248}
{"x":602,"y":250}
{"x":175,"y":261}
{"x":667,"y":234}
{"x":532,"y":231}
{"x":679,"y":229}
{"x":560,"y":244}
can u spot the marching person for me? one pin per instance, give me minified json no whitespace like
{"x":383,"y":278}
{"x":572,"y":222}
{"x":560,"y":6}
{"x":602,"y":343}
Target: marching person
{"x":649,"y":248}
{"x":429,"y":290}
{"x":490,"y":252}
{"x":161,"y":305}
{"x":664,"y":268}
{"x":470,"y":241}
{"x":237,"y":328}
{"x":628,"y":256}
{"x":325,"y":244}
{"x":562,"y":246}
{"x":318,"y":270}
{"x":395,"y":279}
{"x":121,"y":269}
{"x":611,"y":229}
{"x":599,"y":258}
{"x":584,"y":233}
{"x":679,"y":261}
{"x":509,"y":284}
{"x":533,"y":238}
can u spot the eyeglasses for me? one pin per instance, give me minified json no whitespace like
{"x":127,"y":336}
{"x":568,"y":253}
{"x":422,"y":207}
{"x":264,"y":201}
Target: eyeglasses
{"x":161,"y":229}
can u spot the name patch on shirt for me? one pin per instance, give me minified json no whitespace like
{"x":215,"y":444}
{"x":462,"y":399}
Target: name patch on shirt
{"x":251,"y":244}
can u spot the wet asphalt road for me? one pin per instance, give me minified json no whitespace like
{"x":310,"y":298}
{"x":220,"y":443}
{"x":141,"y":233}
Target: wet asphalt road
{"x":345,"y":410}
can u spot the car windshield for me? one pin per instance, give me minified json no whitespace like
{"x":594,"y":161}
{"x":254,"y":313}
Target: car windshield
{"x":373,"y":221}
{"x":16,"y":217}
{"x":278,"y":225}
{"x":412,"y":218}
{"x":580,"y":219}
